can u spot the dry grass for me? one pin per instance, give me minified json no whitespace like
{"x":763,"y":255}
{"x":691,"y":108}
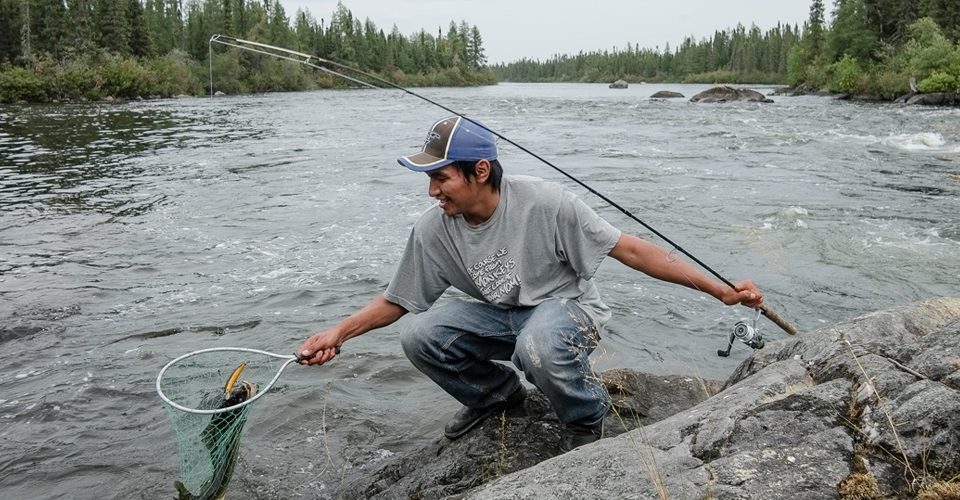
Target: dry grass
{"x":647,"y":460}
{"x":859,"y":486}
{"x":500,"y":468}
{"x":908,"y":470}
{"x":926,"y":485}
{"x":940,"y":490}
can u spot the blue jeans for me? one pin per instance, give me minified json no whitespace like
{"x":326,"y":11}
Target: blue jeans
{"x":455,"y":344}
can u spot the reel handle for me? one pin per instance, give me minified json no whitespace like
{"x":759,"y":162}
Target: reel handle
{"x":777,"y":320}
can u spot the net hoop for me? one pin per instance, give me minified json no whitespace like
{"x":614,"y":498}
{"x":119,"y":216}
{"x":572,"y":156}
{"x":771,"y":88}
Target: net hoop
{"x":289,"y":359}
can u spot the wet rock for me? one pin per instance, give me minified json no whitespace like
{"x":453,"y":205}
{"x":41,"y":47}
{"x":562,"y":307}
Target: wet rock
{"x":619,"y":84}
{"x":15,"y":332}
{"x":934,"y":99}
{"x":805,"y":417}
{"x":522,"y":437}
{"x":666,"y":94}
{"x":726,"y":93}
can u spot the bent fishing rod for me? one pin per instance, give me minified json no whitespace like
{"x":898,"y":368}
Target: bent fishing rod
{"x":306,"y":59}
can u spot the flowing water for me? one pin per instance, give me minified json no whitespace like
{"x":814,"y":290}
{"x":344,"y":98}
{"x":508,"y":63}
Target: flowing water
{"x":134,"y":233}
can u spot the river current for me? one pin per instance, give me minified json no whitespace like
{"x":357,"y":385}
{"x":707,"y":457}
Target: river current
{"x":133,"y":233}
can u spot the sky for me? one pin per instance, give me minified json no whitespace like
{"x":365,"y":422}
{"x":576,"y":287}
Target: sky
{"x":538,"y":29}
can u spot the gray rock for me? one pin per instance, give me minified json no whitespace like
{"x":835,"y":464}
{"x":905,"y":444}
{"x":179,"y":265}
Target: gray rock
{"x":935,"y":99}
{"x":666,"y":94}
{"x":726,"y":93}
{"x":796,"y":420}
{"x":619,"y":84}
{"x":803,"y":418}
{"x":522,"y":438}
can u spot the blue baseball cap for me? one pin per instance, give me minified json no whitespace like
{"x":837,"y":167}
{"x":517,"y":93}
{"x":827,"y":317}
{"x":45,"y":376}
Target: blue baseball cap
{"x":452,"y":139}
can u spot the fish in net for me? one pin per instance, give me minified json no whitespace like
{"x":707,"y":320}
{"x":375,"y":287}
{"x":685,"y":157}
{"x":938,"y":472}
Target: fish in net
{"x":208,"y":395}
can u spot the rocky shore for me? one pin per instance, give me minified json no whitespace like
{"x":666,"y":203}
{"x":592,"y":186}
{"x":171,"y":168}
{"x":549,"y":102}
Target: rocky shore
{"x":863,"y":409}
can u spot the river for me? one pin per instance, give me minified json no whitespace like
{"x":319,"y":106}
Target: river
{"x":133,"y":233}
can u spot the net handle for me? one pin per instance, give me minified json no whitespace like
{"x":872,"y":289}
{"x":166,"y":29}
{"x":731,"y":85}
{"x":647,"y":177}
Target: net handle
{"x":289,"y":359}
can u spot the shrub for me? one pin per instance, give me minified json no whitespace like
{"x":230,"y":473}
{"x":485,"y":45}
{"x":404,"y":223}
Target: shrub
{"x":174,"y":74}
{"x":927,"y":50}
{"x":939,"y":81}
{"x":890,"y":84}
{"x":21,"y":84}
{"x":123,"y":77}
{"x":846,"y":75}
{"x":67,"y":79}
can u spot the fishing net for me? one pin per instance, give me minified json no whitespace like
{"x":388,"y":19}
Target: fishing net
{"x":208,"y":396}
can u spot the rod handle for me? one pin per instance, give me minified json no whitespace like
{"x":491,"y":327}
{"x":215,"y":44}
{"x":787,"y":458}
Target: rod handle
{"x":782,"y":323}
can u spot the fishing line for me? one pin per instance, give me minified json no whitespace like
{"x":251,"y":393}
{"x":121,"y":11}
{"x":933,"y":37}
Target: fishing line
{"x":238,"y":43}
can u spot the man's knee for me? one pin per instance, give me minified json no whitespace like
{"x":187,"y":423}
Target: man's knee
{"x":423,"y":337}
{"x":412,"y":338}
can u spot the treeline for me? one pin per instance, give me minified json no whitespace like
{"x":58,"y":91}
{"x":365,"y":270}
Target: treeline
{"x":737,"y":55}
{"x":53,"y":50}
{"x":880,"y":48}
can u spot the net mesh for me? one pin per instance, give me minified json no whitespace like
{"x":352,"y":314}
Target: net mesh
{"x":208,"y":444}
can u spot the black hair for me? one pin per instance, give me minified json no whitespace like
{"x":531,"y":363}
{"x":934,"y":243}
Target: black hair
{"x":469,"y":171}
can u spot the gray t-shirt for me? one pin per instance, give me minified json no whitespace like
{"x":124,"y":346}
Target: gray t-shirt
{"x":542,"y":242}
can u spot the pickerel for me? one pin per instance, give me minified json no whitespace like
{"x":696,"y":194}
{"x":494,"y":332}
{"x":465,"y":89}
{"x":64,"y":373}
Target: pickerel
{"x":221,"y":437}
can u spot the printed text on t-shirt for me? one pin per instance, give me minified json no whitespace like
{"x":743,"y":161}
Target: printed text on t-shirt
{"x":495,"y":275}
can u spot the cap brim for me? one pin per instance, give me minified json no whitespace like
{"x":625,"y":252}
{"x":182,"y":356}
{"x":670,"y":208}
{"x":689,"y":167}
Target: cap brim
{"x":423,"y":162}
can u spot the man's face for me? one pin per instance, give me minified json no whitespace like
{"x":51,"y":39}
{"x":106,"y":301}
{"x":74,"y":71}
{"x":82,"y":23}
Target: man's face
{"x":457,"y":195}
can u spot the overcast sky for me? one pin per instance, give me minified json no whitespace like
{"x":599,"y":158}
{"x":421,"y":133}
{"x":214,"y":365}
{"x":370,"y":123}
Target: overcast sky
{"x":538,"y":29}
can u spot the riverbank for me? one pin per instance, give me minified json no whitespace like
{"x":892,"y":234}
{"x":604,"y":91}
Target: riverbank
{"x":951,"y":99}
{"x":806,"y":417}
{"x":109,"y":78}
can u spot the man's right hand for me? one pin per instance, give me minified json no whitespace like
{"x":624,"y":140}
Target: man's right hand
{"x":324,"y":346}
{"x":320,"y":348}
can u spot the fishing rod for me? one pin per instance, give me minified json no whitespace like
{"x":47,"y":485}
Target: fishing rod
{"x":300,"y":57}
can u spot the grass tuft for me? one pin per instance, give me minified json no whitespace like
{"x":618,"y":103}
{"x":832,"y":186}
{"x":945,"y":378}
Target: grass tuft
{"x":859,"y":486}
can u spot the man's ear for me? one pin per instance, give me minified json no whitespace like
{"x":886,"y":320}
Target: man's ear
{"x":483,"y":171}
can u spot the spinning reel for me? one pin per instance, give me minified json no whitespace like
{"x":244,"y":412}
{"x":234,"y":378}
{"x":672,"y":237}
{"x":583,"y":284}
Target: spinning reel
{"x":748,"y":334}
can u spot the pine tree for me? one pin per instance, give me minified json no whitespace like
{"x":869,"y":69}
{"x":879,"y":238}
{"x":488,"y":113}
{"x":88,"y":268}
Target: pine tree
{"x":814,"y":35}
{"x":477,"y":58}
{"x":9,"y":30}
{"x":140,"y":43}
{"x":850,"y":34}
{"x":49,"y":27}
{"x":113,"y":28}
{"x":26,"y":47}
{"x":80,"y":15}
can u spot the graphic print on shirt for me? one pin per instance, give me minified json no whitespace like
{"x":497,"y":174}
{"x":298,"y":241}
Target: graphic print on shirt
{"x":495,"y":275}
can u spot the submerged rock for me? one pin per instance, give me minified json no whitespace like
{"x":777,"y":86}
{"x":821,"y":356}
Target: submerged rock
{"x":726,"y":93}
{"x":666,"y":94}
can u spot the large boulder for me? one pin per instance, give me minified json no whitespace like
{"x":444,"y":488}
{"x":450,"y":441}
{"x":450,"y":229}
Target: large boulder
{"x":935,"y":99}
{"x":864,"y":409}
{"x":521,"y":438}
{"x":726,"y":93}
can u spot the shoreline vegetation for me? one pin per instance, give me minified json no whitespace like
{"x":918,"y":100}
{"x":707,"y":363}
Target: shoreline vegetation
{"x":92,"y":50}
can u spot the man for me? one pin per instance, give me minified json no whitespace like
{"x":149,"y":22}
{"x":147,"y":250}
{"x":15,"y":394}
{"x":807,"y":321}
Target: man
{"x":527,"y":251}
